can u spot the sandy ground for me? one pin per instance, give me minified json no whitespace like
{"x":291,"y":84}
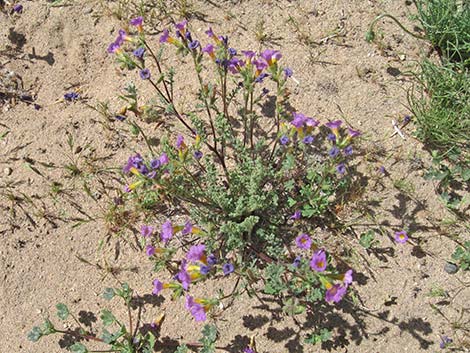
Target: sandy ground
{"x":58,"y":49}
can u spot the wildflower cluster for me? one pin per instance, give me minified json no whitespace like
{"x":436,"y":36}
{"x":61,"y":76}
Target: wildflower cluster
{"x":248,"y":198}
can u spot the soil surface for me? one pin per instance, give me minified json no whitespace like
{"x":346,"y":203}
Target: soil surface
{"x":51,"y":220}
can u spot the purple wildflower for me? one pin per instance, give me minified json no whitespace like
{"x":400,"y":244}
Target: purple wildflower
{"x":348,"y":151}
{"x":401,"y":237}
{"x":284,"y":140}
{"x":299,"y":120}
{"x":197,"y":154}
{"x":303,"y":241}
{"x":318,"y":261}
{"x":194,"y":45}
{"x":197,"y":310}
{"x":146,"y":231}
{"x":341,"y":168}
{"x":382,"y":170}
{"x":204,"y":270}
{"x":188,"y":228}
{"x":18,"y":8}
{"x":335,"y":293}
{"x":260,"y":65}
{"x":353,"y":133}
{"x":139,"y":52}
{"x":261,"y":77}
{"x":232,"y":51}
{"x":271,"y":56}
{"x":297,"y":261}
{"x":144,"y":74}
{"x":333,"y":152}
{"x":196,"y":252}
{"x":184,"y":278}
{"x":334,"y":125}
{"x":150,"y":250}
{"x":143,"y":169}
{"x":308,"y":139}
{"x":136,"y":22}
{"x":180,"y":142}
{"x":165,"y":37}
{"x":228,"y":268}
{"x":133,"y":162}
{"x":157,"y":287}
{"x":406,"y":119}
{"x":181,"y":26}
{"x":310,"y":122}
{"x":348,"y":277}
{"x":249,"y":350}
{"x":167,"y":231}
{"x":211,"y":260}
{"x":155,"y":163}
{"x":71,"y":96}
{"x":164,"y":159}
{"x":288,"y":72}
{"x":331,"y":137}
{"x":210,"y":33}
{"x":113,"y":47}
{"x":120,"y":117}
{"x":209,"y":49}
{"x":445,"y":341}
{"x":297,"y":214}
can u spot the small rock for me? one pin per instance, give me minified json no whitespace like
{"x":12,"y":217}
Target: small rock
{"x":451,"y":268}
{"x":87,"y":11}
{"x":7,"y":171}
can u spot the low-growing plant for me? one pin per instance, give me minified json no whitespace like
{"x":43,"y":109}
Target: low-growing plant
{"x":461,"y":255}
{"x":249,"y":183}
{"x":130,"y":337}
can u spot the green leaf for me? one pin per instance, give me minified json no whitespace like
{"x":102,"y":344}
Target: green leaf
{"x":109,"y":293}
{"x":209,"y":333}
{"x":35,"y":334}
{"x":78,"y":348}
{"x":48,"y":328}
{"x":62,"y":311}
{"x":182,"y":349}
{"x":107,"y":317}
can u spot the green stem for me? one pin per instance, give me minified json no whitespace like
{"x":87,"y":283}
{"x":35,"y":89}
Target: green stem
{"x":378,"y":18}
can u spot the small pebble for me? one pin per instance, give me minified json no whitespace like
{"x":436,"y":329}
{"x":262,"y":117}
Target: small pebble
{"x":87,"y":11}
{"x":451,"y":268}
{"x":7,"y":171}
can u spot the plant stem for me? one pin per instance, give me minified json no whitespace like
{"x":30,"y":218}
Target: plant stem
{"x":78,"y":335}
{"x":378,"y":18}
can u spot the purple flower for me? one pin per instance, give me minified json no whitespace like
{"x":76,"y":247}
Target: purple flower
{"x":299,"y":120}
{"x":249,"y":55}
{"x":181,"y":26}
{"x":144,"y":74}
{"x":284,"y":140}
{"x":228,"y":268}
{"x":232,"y":51}
{"x":261,"y":77}
{"x":308,"y":139}
{"x":348,"y":151}
{"x":401,"y":237}
{"x":197,"y":310}
{"x":335,"y":293}
{"x":133,"y":162}
{"x":288,"y":72}
{"x":157,"y":287}
{"x":348,"y":277}
{"x":139,"y":52}
{"x":334,"y":125}
{"x":353,"y":133}
{"x":71,"y":96}
{"x":331,"y":137}
{"x":197,"y":154}
{"x":150,"y":250}
{"x":382,"y":170}
{"x":341,"y":168}
{"x":184,"y":278}
{"x":193,"y":45}
{"x":318,"y":261}
{"x":445,"y":341}
{"x":143,"y":169}
{"x":146,"y":231}
{"x":164,"y":159}
{"x":406,"y":119}
{"x":113,"y":47}
{"x":297,"y":214}
{"x":136,"y":22}
{"x":36,"y":106}
{"x":303,"y":241}
{"x":196,"y":252}
{"x":211,"y":260}
{"x":248,"y":350}
{"x":271,"y":56}
{"x":297,"y":261}
{"x":210,"y":33}
{"x":310,"y":122}
{"x":120,"y":117}
{"x":209,"y":49}
{"x":204,"y":270}
{"x":333,"y":152}
{"x":165,"y":37}
{"x":180,"y":142}
{"x":167,"y":231}
{"x":18,"y":8}
{"x":155,"y":163}
{"x":188,"y":228}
